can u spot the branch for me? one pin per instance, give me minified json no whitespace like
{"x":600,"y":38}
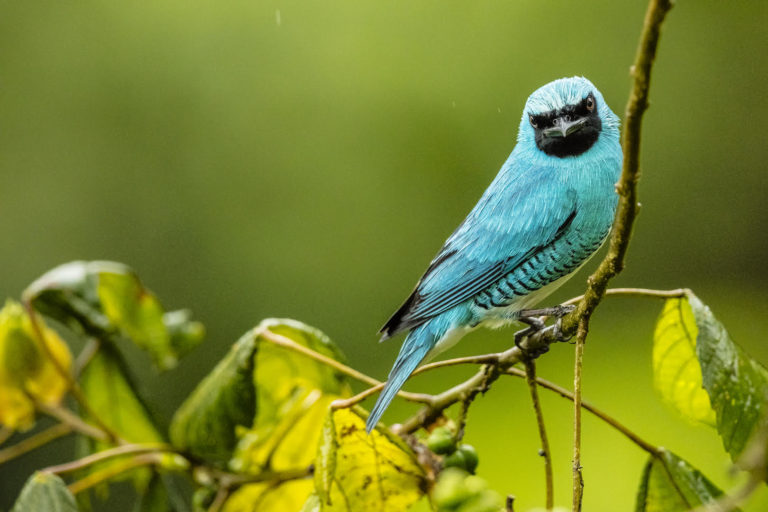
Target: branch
{"x":530,"y":377}
{"x":34,"y":442}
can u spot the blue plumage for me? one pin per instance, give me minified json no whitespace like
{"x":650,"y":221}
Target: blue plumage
{"x":547,"y":211}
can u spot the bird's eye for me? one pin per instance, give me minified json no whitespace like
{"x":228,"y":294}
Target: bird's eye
{"x":590,"y":103}
{"x":533,"y":121}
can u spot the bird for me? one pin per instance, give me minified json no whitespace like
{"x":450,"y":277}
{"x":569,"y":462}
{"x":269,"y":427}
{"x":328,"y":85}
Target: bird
{"x":547,"y":211}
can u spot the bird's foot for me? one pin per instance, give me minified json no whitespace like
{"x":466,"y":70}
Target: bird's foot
{"x":531,"y":317}
{"x":558,"y":311}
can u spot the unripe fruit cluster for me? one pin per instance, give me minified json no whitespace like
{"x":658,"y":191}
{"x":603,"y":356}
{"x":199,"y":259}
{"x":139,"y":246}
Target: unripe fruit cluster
{"x":442,"y":442}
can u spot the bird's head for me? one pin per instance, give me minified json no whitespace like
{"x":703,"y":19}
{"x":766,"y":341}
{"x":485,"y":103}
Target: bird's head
{"x":567,"y":117}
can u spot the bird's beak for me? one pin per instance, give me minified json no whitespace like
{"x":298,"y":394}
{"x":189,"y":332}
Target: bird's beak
{"x":564,"y":128}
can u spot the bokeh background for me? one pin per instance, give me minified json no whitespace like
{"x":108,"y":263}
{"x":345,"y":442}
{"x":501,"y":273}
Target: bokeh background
{"x":307,"y":159}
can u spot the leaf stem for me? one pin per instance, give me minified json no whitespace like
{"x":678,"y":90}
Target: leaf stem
{"x":530,"y":377}
{"x":33,"y":442}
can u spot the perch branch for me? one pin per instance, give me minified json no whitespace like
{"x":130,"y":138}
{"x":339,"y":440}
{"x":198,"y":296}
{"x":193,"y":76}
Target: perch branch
{"x":626,"y":213}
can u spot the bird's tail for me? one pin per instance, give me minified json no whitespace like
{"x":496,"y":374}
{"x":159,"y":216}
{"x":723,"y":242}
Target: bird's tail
{"x":415,"y":348}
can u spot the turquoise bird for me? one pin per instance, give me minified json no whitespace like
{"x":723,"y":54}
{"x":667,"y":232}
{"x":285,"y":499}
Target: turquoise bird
{"x":548,"y":210}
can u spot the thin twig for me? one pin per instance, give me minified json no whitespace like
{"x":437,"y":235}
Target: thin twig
{"x":33,"y":442}
{"x":648,"y":447}
{"x":637,"y":292}
{"x":112,"y":471}
{"x":5,"y":434}
{"x":288,"y":343}
{"x":530,"y":377}
{"x":119,"y":451}
{"x":78,"y":425}
{"x":222,"y":494}
{"x":465,"y":391}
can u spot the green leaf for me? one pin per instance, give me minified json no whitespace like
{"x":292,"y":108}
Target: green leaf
{"x":736,"y":383}
{"x":721,"y":380}
{"x":111,"y":394}
{"x":154,"y":498}
{"x":294,"y":392}
{"x":357,"y":471}
{"x":107,"y":300}
{"x":670,"y":484}
{"x":45,"y":491}
{"x":205,"y":424}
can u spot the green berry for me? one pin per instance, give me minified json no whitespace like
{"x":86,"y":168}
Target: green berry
{"x":441,"y":441}
{"x":470,"y":457}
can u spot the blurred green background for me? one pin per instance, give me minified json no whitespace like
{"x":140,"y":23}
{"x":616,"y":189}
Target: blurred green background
{"x":307,"y":159}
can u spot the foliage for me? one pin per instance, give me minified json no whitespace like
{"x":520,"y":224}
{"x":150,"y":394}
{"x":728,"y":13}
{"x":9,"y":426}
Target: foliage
{"x":274,"y":425}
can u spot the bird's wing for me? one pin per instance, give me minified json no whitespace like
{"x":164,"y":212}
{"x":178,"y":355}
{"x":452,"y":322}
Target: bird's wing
{"x":515,"y":218}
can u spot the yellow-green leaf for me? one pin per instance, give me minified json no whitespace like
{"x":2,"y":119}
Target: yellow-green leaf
{"x":289,"y":496}
{"x":30,"y":367}
{"x":45,"y":492}
{"x":676,"y":370}
{"x":293,"y":395}
{"x":670,"y":484}
{"x":705,"y":375}
{"x":357,"y":471}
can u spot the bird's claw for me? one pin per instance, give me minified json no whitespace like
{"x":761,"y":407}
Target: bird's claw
{"x":529,"y":353}
{"x":557,"y":329}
